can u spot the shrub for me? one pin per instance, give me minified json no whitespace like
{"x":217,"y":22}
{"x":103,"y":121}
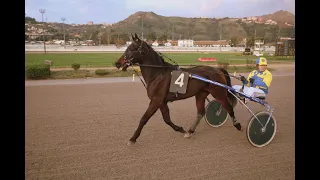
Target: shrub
{"x":223,"y":65}
{"x":38,"y":71}
{"x":101,"y":72}
{"x":75,"y":66}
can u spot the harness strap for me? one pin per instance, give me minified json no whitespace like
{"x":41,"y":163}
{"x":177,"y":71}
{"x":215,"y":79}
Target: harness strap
{"x":144,"y":84}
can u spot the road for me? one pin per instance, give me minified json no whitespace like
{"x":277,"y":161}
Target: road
{"x":79,"y":131}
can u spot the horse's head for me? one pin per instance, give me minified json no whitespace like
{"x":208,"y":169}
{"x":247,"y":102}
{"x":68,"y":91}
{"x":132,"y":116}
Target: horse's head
{"x":121,"y":63}
{"x":134,"y":53}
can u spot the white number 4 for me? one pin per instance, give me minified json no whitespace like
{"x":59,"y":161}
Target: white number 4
{"x":179,"y":81}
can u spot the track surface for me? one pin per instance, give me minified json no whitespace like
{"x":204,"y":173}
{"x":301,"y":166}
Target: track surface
{"x":80,"y":131}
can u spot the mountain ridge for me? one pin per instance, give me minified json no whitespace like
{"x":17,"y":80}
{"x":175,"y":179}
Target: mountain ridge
{"x":197,"y":28}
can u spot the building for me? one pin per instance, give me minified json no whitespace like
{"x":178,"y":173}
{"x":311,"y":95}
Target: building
{"x":185,"y":43}
{"x":128,"y":43}
{"x":257,"y":47}
{"x":211,"y":43}
{"x":285,"y":46}
{"x":252,"y":18}
{"x":155,"y":44}
{"x":271,"y":22}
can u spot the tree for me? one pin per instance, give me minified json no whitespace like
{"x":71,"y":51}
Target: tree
{"x":120,"y":42}
{"x":163,"y":38}
{"x":124,"y":37}
{"x":250,"y":41}
{"x":95,"y":37}
{"x":29,"y":20}
{"x":151,"y":36}
{"x":119,"y":39}
{"x":235,"y":41}
{"x":59,"y":36}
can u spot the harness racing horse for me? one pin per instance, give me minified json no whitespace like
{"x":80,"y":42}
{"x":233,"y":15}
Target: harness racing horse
{"x":157,"y":76}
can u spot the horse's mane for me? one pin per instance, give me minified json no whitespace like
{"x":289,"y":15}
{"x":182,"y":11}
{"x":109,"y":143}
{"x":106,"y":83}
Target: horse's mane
{"x":161,"y":57}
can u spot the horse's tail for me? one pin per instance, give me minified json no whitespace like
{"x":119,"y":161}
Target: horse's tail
{"x":232,"y":100}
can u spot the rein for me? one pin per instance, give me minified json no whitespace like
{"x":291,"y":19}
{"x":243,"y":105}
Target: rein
{"x":175,"y":66}
{"x":144,"y":84}
{"x":158,"y":66}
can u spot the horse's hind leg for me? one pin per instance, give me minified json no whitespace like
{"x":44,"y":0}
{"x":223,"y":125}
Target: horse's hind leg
{"x":166,"y":117}
{"x":228,"y":107}
{"x":200,"y":103}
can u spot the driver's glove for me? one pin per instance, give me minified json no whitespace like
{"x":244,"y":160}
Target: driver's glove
{"x":243,"y":79}
{"x":251,"y":80}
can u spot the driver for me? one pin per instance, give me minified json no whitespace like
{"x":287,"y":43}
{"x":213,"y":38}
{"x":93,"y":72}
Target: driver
{"x":258,"y":81}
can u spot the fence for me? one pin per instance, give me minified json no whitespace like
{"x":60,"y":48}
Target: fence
{"x":112,"y":48}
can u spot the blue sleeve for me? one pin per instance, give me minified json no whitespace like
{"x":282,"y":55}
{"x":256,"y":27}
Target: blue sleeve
{"x":246,"y":82}
{"x":259,"y":82}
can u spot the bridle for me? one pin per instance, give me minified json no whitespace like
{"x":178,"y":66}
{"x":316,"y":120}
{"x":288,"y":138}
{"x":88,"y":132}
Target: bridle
{"x":139,"y":50}
{"x":142,"y":52}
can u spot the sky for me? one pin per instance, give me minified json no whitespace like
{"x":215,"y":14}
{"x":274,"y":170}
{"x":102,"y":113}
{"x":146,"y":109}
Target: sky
{"x":112,"y":11}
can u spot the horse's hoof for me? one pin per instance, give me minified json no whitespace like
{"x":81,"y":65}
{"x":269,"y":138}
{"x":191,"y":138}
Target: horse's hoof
{"x":130,"y":143}
{"x":187,"y":135}
{"x":238,"y":126}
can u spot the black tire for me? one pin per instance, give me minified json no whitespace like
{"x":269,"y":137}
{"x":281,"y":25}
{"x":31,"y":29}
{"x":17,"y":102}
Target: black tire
{"x":215,"y":115}
{"x":254,"y":134}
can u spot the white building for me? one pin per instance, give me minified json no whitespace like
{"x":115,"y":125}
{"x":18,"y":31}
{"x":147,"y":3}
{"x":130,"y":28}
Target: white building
{"x":271,"y":22}
{"x":252,"y":18}
{"x":185,"y":43}
{"x":257,"y":47}
{"x":155,"y":44}
{"x":167,"y":44}
{"x":128,"y":43}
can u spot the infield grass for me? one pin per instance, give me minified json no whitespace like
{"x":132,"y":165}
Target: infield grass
{"x":70,"y":74}
{"x":60,"y":60}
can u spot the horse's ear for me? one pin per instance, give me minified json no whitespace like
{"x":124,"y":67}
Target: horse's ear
{"x":136,"y":36}
{"x":132,"y":37}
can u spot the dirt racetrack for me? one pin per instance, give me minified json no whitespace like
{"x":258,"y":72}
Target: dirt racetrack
{"x":76,"y":132}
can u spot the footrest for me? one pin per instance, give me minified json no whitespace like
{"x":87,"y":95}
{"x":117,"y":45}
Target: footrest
{"x":261,"y":97}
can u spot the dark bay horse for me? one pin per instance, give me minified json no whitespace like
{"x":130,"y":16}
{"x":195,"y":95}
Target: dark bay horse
{"x":157,"y":76}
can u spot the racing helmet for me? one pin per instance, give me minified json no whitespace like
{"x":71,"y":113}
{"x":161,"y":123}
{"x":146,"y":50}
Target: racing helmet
{"x":261,"y":61}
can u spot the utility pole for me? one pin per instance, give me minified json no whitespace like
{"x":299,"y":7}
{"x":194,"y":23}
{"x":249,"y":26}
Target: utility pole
{"x":279,"y":30}
{"x":256,"y":46}
{"x":42,"y":11}
{"x":220,"y":36}
{"x":220,"y":31}
{"x":100,"y":36}
{"x":108,"y":36}
{"x":172,"y":32}
{"x":64,"y":34}
{"x":255,"y":34}
{"x":142,"y":27}
{"x":293,"y":29}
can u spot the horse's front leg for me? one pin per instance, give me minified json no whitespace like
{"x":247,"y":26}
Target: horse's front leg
{"x":153,"y":107}
{"x":166,"y":117}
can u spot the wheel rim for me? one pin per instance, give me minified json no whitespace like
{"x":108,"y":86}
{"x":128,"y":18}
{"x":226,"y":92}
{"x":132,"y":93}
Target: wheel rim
{"x":255,"y":134}
{"x":215,"y":115}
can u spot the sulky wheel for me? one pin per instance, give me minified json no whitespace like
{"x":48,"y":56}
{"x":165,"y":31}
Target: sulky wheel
{"x":255,"y":134}
{"x":215,"y":115}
